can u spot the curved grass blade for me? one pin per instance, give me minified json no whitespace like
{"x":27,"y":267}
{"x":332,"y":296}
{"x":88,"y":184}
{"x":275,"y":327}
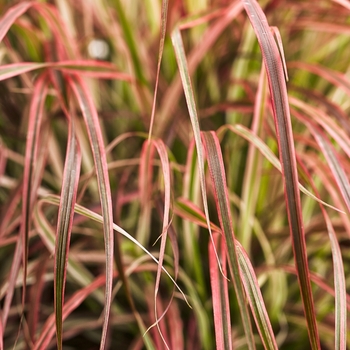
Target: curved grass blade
{"x":217,"y":173}
{"x":96,"y":141}
{"x":64,"y":225}
{"x":51,"y":199}
{"x":278,"y":90}
{"x":11,"y":15}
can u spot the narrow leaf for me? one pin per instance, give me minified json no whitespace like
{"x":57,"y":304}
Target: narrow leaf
{"x":11,"y":15}
{"x":96,"y":141}
{"x":64,"y":224}
{"x":278,"y":90}
{"x":221,"y":306}
{"x":217,"y":173}
{"x":191,"y":105}
{"x":256,"y":301}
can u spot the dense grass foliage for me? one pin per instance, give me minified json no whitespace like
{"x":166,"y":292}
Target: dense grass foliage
{"x":174,"y":174}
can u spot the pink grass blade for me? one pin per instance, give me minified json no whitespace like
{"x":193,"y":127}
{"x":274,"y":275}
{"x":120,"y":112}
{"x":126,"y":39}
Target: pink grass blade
{"x":191,"y":105}
{"x":218,"y":177}
{"x":11,"y":15}
{"x":32,"y":145}
{"x":145,"y":190}
{"x":339,"y":278}
{"x":278,"y":90}
{"x":189,"y":211}
{"x":64,"y":224}
{"x":221,"y":307}
{"x":96,"y":141}
{"x":94,"y":69}
{"x":15,"y":69}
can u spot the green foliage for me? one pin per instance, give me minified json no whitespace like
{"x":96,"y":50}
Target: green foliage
{"x":131,"y":218}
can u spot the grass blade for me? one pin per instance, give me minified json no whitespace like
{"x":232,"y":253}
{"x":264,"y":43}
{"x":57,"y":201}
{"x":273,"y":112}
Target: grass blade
{"x":191,"y":105}
{"x":32,"y":145}
{"x":101,"y":70}
{"x":278,"y":90}
{"x":256,"y":301}
{"x":269,"y":155}
{"x":51,"y":199}
{"x":11,"y":15}
{"x":217,"y":173}
{"x":64,"y":225}
{"x":96,"y":141}
{"x":334,"y":164}
{"x":221,"y":307}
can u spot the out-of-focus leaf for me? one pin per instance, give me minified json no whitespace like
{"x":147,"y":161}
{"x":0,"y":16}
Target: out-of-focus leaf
{"x":279,"y":95}
{"x":94,"y":69}
{"x":11,"y":15}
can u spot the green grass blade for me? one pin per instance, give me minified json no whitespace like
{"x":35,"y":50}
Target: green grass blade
{"x":191,"y":105}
